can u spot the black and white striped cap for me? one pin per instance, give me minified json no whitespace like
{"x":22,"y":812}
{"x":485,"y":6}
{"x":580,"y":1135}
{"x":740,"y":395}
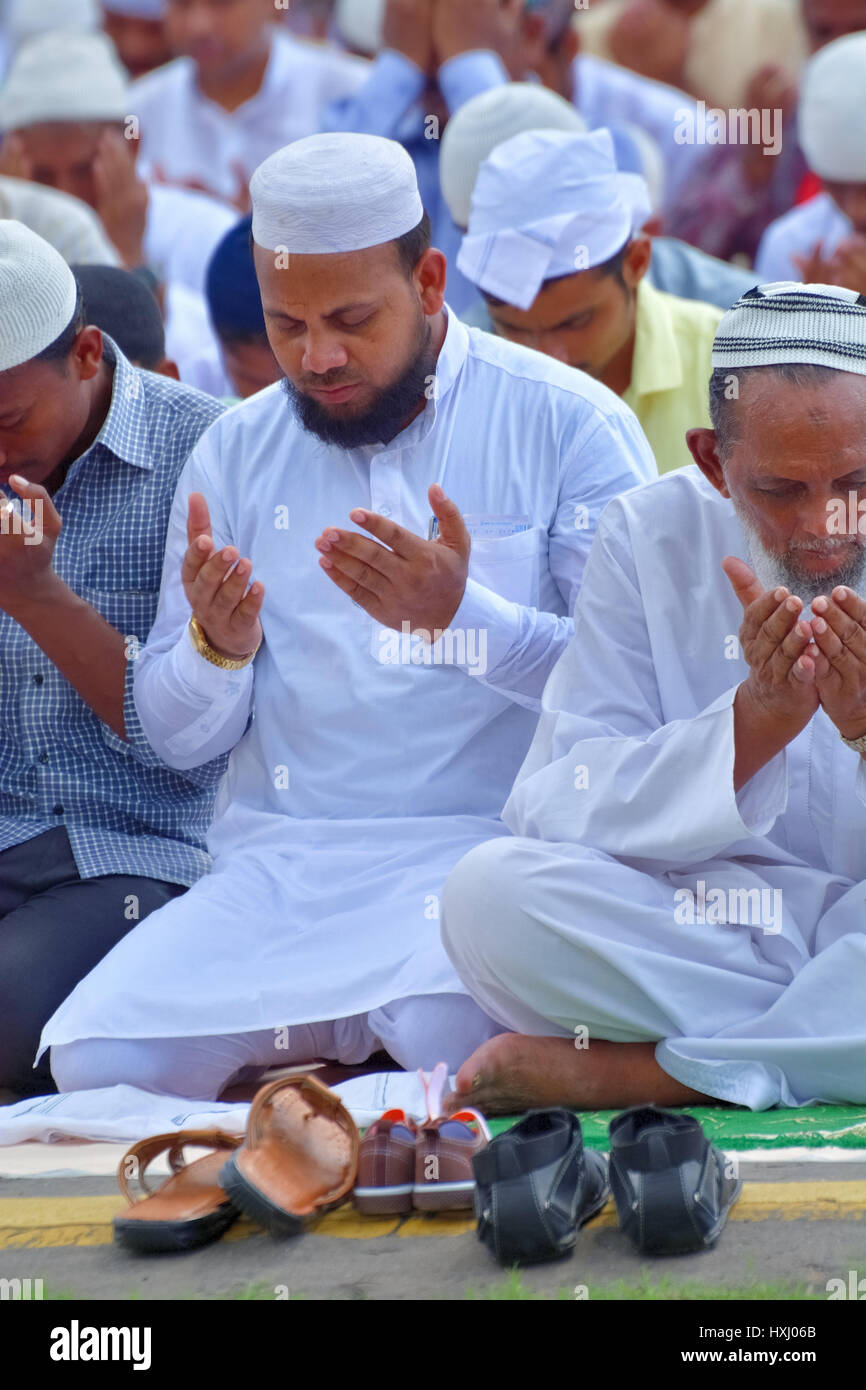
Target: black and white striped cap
{"x":823,"y":325}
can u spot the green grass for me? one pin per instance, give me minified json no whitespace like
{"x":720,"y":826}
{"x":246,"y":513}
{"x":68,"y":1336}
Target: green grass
{"x":512,"y":1288}
{"x":664,"y":1290}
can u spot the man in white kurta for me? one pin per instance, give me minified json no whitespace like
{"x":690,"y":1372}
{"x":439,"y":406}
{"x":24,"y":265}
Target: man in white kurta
{"x":654,"y":932}
{"x":365,"y":761}
{"x":825,"y":239}
{"x":241,"y":89}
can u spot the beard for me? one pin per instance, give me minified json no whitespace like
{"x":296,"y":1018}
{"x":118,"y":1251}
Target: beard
{"x":390,"y":411}
{"x":773,"y":569}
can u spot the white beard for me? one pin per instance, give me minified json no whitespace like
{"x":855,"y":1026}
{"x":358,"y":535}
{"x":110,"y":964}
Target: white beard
{"x":773,"y":570}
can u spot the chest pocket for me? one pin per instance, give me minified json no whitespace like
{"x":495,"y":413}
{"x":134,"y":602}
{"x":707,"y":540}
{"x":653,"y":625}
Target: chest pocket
{"x":510,"y":565}
{"x":130,"y":611}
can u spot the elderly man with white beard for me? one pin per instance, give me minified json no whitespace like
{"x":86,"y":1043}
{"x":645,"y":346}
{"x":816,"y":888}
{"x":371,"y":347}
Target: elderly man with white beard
{"x":681,"y":915}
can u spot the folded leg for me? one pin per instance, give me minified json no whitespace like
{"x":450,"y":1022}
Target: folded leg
{"x":558,"y":940}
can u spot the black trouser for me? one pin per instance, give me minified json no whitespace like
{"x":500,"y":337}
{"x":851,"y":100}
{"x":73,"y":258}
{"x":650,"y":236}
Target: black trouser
{"x":54,"y":928}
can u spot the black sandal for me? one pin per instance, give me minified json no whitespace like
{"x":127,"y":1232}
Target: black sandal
{"x":670,"y":1184}
{"x":536,"y":1186}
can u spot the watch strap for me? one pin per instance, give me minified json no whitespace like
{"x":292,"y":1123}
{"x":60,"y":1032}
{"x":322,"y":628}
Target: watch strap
{"x":203,"y":647}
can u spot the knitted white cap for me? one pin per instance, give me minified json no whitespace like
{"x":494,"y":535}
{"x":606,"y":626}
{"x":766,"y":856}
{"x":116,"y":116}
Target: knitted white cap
{"x":330,"y":193}
{"x":38,"y":294}
{"x":64,"y":77}
{"x":489,"y":120}
{"x":360,"y":24}
{"x":822,"y":325}
{"x":27,"y":18}
{"x":136,"y":9}
{"x":832,"y":110}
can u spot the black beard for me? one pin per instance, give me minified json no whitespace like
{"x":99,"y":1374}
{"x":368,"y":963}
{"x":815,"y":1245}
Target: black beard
{"x":388,"y":414}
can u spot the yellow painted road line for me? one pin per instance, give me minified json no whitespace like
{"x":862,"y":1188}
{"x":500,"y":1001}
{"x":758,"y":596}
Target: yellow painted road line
{"x":40,"y":1222}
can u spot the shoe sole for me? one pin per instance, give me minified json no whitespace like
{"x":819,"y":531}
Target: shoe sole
{"x":383,"y":1201}
{"x":444,"y":1196}
{"x":173,"y":1237}
{"x":256,"y":1205}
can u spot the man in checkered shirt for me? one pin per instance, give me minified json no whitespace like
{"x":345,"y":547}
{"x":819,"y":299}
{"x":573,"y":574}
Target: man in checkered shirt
{"x":95,"y":832}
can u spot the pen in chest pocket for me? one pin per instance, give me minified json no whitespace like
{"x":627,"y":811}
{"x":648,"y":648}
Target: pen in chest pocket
{"x":482,"y":527}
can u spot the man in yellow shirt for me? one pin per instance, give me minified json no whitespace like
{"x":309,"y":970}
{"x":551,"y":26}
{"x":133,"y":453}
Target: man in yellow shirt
{"x":554,"y":245}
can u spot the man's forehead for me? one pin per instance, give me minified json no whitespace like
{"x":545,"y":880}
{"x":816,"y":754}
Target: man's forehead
{"x":58,"y":137}
{"x":795,"y":387}
{"x":19,"y":386}
{"x":290,"y":277}
{"x":558,"y":299}
{"x":795,"y":418}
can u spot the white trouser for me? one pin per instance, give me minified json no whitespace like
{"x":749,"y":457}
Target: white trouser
{"x":556,"y":939}
{"x":416,"y":1032}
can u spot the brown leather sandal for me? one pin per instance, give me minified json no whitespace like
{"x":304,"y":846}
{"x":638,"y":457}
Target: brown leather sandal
{"x":299,"y":1158}
{"x":189,"y":1208}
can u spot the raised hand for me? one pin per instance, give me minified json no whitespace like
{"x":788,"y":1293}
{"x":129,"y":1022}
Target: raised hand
{"x":816,"y":268}
{"x":398,"y":577}
{"x":217,"y":584}
{"x":121,"y":197}
{"x":780,"y":694}
{"x":778,"y":648}
{"x":848,"y":264}
{"x":14,"y":163}
{"x":408,"y":29}
{"x":28,"y":536}
{"x":460,"y":26}
{"x":839,"y":630}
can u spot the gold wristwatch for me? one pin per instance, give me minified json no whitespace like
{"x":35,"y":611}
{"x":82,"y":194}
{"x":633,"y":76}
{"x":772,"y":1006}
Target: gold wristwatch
{"x":858,"y":744}
{"x":204,"y":648}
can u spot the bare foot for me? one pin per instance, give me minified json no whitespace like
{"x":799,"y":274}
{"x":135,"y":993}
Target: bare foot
{"x":511,"y":1073}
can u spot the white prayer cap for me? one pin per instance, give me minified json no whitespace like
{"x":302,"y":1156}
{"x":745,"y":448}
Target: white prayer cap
{"x":548,"y":204}
{"x":64,"y":77}
{"x":822,"y":325}
{"x":136,"y":9}
{"x":27,"y":18}
{"x":330,"y":193}
{"x":488,"y":120}
{"x":832,"y":110}
{"x":38,"y":294}
{"x":361,"y":23}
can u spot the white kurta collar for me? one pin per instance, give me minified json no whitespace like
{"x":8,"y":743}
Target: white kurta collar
{"x":448,"y":367}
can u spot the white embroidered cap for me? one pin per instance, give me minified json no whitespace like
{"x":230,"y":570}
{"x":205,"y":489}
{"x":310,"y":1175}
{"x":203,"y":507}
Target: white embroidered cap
{"x":38,"y":294}
{"x":488,"y":120}
{"x":334,"y":193}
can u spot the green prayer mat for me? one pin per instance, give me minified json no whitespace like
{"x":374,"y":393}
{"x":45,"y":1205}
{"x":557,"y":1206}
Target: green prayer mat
{"x":729,"y":1127}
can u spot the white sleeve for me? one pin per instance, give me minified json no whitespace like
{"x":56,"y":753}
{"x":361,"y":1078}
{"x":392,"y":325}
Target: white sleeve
{"x":605,"y":770}
{"x":190,"y":710}
{"x":522,"y":644}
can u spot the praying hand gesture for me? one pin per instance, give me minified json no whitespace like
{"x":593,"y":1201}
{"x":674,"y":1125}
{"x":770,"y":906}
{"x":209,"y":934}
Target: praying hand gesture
{"x":27,"y":542}
{"x":846,"y":266}
{"x":839,"y":632}
{"x":408,"y":29}
{"x":462,"y":26}
{"x":398,"y":577}
{"x":776,"y":645}
{"x":121,"y":197}
{"x":794,"y":666}
{"x":217,"y":584}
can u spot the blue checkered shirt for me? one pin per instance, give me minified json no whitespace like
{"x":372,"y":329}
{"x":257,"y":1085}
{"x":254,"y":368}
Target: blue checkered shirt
{"x":124,"y":811}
